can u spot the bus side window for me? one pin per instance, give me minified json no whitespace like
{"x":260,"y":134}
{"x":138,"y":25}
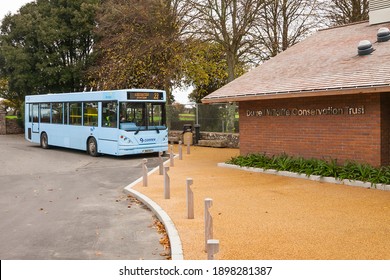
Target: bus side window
{"x":35,"y":113}
{"x":66,"y":113}
{"x":45,"y":112}
{"x":57,"y":113}
{"x":90,"y":113}
{"x":75,"y":113}
{"x":109,"y":114}
{"x":30,"y":109}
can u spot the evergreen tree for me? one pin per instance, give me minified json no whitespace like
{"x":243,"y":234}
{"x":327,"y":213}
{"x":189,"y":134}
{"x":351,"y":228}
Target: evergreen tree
{"x":46,"y":46}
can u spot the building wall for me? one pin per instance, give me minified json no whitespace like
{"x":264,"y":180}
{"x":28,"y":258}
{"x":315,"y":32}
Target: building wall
{"x":339,"y":127}
{"x":385,"y":128}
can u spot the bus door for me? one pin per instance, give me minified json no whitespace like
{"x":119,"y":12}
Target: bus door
{"x":108,"y":134}
{"x":35,"y":118}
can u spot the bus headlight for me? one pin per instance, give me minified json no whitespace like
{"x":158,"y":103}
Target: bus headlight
{"x":126,"y":139}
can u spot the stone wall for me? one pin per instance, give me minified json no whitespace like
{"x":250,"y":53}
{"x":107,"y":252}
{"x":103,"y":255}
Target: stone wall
{"x":232,"y":139}
{"x":3,"y":125}
{"x":13,"y":127}
{"x":8,"y":126}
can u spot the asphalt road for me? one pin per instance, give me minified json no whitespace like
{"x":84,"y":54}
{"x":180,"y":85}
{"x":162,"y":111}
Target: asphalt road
{"x":64,"y":204}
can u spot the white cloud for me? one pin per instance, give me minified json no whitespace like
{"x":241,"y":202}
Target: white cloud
{"x":11,"y":6}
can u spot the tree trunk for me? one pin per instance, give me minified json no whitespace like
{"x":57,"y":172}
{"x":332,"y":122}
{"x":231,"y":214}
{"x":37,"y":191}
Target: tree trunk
{"x":230,"y":116}
{"x":231,"y":64}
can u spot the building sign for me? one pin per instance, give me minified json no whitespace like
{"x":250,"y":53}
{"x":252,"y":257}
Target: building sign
{"x":285,"y":112}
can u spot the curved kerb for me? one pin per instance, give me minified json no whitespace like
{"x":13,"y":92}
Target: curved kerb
{"x":174,"y":238}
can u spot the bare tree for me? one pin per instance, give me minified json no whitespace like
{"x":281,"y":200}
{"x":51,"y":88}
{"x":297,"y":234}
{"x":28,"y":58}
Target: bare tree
{"x":284,"y":23}
{"x":140,"y":44}
{"x":229,"y":23}
{"x":341,"y":12}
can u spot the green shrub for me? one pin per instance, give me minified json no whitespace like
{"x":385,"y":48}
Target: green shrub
{"x":324,"y":168}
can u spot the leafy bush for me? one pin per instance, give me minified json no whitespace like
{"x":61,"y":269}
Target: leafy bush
{"x":325,"y":168}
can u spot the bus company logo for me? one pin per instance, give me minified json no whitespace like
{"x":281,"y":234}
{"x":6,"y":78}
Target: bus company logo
{"x":147,"y":140}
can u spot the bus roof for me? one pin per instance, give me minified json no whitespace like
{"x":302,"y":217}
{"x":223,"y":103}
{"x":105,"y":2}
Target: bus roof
{"x":120,"y":95}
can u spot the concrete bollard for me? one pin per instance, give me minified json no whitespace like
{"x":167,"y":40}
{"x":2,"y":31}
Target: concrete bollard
{"x":208,"y":221}
{"x":160,"y":163}
{"x":145,"y":173}
{"x":188,"y":149}
{"x":190,"y":199}
{"x":167,"y":184}
{"x":212,"y":248}
{"x":180,"y":151}
{"x":171,"y":159}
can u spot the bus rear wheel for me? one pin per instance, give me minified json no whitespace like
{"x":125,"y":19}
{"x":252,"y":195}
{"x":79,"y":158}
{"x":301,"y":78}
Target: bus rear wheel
{"x":44,"y":141}
{"x":92,"y":147}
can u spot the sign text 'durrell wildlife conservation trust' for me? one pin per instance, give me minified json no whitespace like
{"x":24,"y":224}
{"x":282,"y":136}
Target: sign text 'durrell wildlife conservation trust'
{"x":287,"y":112}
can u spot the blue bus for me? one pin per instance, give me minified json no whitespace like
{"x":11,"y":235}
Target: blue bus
{"x":117,"y":122}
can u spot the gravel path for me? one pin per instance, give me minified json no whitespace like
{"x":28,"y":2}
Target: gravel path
{"x":261,"y":216}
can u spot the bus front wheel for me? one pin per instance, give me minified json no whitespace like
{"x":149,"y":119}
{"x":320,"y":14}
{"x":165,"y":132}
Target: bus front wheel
{"x":44,"y":141}
{"x":92,"y":147}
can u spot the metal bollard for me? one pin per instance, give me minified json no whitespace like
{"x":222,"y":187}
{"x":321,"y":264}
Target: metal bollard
{"x":212,"y":248}
{"x":145,"y":173}
{"x":208,"y":221}
{"x":171,"y":159}
{"x":160,"y":164}
{"x":167,"y":184}
{"x":190,"y":199}
{"x":180,"y":151}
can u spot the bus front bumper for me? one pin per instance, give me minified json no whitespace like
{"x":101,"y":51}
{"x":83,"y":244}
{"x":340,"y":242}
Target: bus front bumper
{"x":146,"y":149}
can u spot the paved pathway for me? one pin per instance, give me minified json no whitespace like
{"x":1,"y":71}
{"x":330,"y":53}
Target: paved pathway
{"x":64,"y":204}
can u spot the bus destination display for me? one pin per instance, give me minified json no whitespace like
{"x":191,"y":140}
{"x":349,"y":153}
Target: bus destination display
{"x":145,"y":95}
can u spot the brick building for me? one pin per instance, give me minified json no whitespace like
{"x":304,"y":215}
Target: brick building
{"x":326,"y":97}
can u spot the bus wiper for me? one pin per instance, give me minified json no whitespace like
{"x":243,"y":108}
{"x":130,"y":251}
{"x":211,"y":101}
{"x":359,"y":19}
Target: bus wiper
{"x":139,"y":129}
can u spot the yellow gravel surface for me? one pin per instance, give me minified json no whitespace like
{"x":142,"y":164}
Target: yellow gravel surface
{"x":261,"y":216}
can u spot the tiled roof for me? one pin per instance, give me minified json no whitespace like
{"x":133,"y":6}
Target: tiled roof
{"x":323,"y":64}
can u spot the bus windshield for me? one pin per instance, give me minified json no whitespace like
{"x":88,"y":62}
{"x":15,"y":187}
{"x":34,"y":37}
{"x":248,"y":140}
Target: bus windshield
{"x":135,"y":116}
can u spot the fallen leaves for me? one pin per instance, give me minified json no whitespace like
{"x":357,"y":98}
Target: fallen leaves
{"x":164,"y":240}
{"x":131,"y":200}
{"x":98,"y":254}
{"x":160,"y":228}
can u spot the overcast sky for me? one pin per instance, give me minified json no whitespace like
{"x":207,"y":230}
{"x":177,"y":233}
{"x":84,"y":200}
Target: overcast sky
{"x":12,"y":6}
